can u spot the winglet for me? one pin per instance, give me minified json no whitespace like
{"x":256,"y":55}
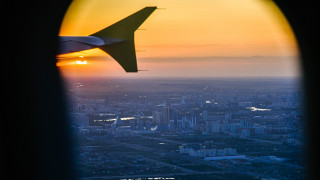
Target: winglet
{"x":124,"y":51}
{"x":123,"y":28}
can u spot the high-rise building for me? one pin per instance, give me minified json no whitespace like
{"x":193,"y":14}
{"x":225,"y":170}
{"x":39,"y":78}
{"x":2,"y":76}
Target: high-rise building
{"x":179,"y":125}
{"x":196,"y":114}
{"x":209,"y":127}
{"x":205,"y":116}
{"x":140,"y":124}
{"x":234,"y":127}
{"x":183,"y":102}
{"x":166,"y":114}
{"x":245,"y":133}
{"x":215,"y":127}
{"x":186,"y":123}
{"x":171,"y":126}
{"x":224,"y":126}
{"x":133,"y":124}
{"x":148,"y":125}
{"x":175,"y":115}
{"x":212,"y":127}
{"x":156,"y":116}
{"x":163,"y":125}
{"x":228,"y":116}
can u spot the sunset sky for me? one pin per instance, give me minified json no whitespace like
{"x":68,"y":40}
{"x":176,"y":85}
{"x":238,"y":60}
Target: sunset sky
{"x":203,"y":38}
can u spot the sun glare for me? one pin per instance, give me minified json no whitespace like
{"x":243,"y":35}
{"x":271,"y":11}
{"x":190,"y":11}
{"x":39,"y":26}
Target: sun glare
{"x":81,"y":62}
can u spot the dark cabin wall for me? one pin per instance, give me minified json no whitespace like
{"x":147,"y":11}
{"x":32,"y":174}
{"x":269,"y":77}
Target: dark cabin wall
{"x":37,"y":143}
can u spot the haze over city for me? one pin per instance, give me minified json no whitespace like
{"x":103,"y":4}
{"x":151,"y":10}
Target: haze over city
{"x":214,"y":128}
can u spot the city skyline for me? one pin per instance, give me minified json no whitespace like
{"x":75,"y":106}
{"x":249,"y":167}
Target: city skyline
{"x":187,"y":128}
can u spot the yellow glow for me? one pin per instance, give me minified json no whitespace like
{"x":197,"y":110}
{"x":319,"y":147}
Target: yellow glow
{"x":187,"y":28}
{"x":81,"y":62}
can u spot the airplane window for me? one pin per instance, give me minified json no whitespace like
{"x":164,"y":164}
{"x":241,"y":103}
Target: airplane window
{"x":183,"y":90}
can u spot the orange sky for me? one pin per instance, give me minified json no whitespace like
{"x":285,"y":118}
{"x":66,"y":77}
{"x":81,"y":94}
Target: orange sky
{"x":188,"y":29}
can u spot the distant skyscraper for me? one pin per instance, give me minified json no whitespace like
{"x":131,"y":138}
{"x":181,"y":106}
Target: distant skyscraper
{"x":148,"y":125}
{"x":212,"y":127}
{"x":132,"y":124}
{"x":205,"y":116}
{"x":186,"y":124}
{"x":228,"y":116}
{"x":196,"y":114}
{"x":224,"y":126}
{"x":174,"y":115}
{"x":156,"y":116}
{"x":183,"y":102}
{"x":172,"y":126}
{"x":166,"y":114}
{"x":163,"y":126}
{"x":242,"y":123}
{"x":140,"y":124}
{"x":234,"y":127}
{"x":216,"y":127}
{"x":179,"y":125}
{"x":245,"y":133}
{"x":209,"y":127}
{"x":194,"y":121}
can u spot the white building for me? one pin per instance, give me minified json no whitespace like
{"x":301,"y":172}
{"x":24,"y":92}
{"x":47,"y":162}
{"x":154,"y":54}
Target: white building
{"x":208,"y":152}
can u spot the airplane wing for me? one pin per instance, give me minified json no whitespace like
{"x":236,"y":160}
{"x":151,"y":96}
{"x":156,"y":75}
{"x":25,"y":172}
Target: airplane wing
{"x":69,"y":44}
{"x":117,"y":40}
{"x":124,"y":53}
{"x":123,"y":50}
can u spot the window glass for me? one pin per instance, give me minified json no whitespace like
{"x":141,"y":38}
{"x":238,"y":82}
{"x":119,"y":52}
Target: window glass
{"x":217,"y":93}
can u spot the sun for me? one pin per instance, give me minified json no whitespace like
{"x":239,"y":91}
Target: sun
{"x":81,"y":62}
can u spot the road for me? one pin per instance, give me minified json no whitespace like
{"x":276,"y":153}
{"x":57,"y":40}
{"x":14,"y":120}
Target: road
{"x":138,"y":147}
{"x":164,"y":140}
{"x":264,"y":141}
